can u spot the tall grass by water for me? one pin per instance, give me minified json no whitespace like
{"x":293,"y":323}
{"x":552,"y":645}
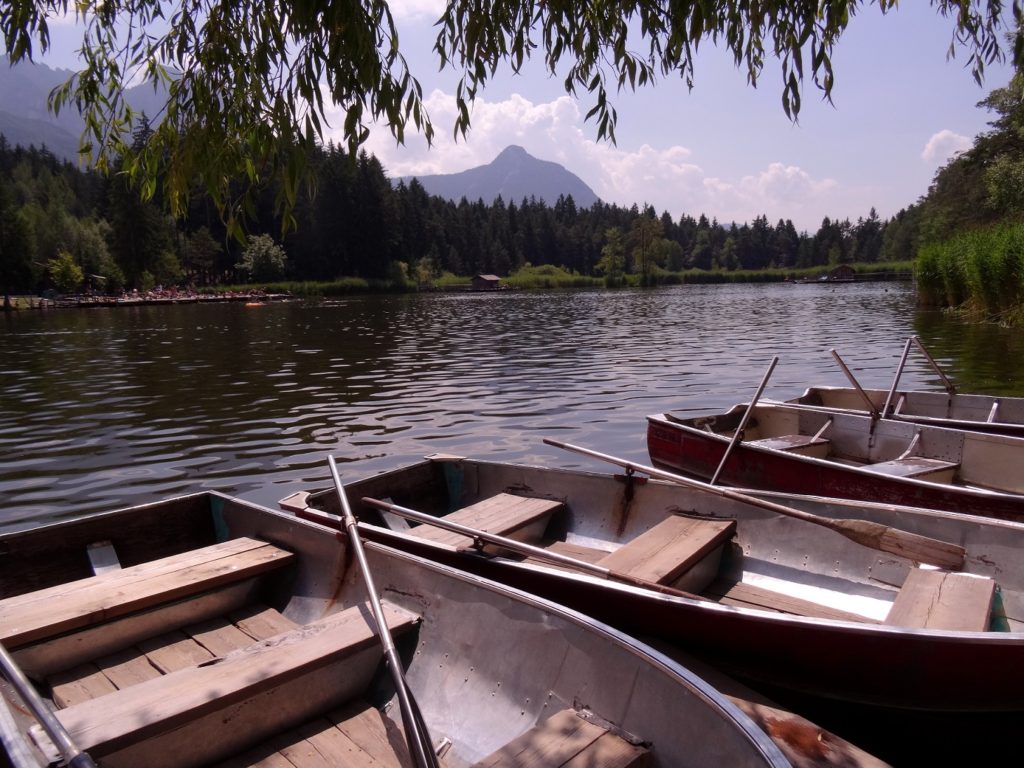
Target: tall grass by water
{"x":980,"y":273}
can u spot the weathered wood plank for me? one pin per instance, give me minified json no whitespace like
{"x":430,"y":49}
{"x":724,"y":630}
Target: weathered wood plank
{"x":173,"y":651}
{"x":260,"y":622}
{"x":219,"y":636}
{"x":372,"y":735}
{"x":665,"y":551}
{"x":564,"y":739}
{"x":128,"y":667}
{"x":942,"y":600}
{"x":78,"y":684}
{"x":503,"y":514}
{"x":751,"y":596}
{"x":53,"y":611}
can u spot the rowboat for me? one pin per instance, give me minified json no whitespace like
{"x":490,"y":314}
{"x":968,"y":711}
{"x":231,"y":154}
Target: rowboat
{"x":726,"y":577}
{"x":847,"y":455}
{"x":206,"y":630}
{"x":980,"y":413}
{"x":791,"y":608}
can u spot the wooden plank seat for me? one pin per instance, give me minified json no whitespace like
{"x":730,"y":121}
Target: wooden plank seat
{"x":199,"y":714}
{"x":516,"y":517}
{"x":78,"y":604}
{"x":679,"y":551}
{"x":804,"y":445}
{"x":942,"y":600}
{"x":933,"y":470}
{"x":566,"y":739}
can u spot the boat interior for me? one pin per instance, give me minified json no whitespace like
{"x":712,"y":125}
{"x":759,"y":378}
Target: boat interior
{"x":664,"y":536}
{"x":895,"y":448}
{"x":204,"y":632}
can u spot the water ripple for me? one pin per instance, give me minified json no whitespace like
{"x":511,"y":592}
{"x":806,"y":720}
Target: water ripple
{"x":110,"y":407}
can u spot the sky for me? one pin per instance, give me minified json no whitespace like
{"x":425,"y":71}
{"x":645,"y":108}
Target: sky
{"x":900,"y":109}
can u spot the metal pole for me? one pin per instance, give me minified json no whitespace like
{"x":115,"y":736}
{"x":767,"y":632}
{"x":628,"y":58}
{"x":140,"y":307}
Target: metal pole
{"x":945,"y":380}
{"x":420,"y":748}
{"x":872,"y":408}
{"x":74,"y":757}
{"x":896,"y":380}
{"x":737,"y":435}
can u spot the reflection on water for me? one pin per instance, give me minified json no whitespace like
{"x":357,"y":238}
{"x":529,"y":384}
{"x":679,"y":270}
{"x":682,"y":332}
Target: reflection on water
{"x":108,"y":407}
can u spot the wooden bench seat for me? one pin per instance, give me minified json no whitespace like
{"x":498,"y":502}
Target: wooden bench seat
{"x":208,"y":712}
{"x":78,"y":604}
{"x":942,"y":600}
{"x":566,"y":739}
{"x":933,"y":470}
{"x":804,"y":445}
{"x":516,"y":517}
{"x":683,"y":552}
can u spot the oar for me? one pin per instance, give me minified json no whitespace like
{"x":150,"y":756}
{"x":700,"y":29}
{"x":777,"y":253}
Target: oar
{"x":738,"y":434}
{"x":72,"y":756}
{"x":529,"y":550}
{"x":871,"y":407}
{"x":420,"y":748}
{"x":867,"y":533}
{"x":896,"y":379}
{"x":945,"y":380}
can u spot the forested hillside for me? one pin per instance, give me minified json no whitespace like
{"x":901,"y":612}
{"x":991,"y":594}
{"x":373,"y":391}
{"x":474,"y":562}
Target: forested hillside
{"x":355,"y":223}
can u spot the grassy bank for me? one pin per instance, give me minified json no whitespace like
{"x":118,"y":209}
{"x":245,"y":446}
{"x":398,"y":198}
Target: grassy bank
{"x":980,"y":274}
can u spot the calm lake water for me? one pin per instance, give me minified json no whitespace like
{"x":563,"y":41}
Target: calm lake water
{"x":104,"y":408}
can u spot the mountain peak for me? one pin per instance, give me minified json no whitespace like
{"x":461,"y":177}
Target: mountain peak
{"x":513,"y":175}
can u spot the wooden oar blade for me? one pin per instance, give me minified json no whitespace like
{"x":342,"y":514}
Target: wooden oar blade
{"x":913,"y":546}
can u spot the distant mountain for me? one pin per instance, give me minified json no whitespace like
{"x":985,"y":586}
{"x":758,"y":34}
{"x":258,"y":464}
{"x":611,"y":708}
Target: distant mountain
{"x":514,"y":175}
{"x":25,"y":118}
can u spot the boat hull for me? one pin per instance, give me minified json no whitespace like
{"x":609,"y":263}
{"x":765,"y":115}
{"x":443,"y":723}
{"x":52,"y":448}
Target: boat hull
{"x":864,"y":663}
{"x":697,"y":452}
{"x":485,"y":661}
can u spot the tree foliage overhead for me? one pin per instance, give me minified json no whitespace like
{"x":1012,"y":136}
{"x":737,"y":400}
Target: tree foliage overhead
{"x":249,"y":83}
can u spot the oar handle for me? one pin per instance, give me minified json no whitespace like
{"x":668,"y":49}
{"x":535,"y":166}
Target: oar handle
{"x":527,"y":549}
{"x":896,"y":379}
{"x":417,"y":739}
{"x":950,"y":388}
{"x":874,"y":535}
{"x":871,"y":407}
{"x":738,"y":434}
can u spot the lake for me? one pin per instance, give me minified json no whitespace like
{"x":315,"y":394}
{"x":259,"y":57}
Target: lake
{"x":103,"y":408}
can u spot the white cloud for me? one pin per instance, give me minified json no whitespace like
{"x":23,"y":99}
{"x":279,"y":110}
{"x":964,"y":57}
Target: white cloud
{"x":668,"y":178}
{"x":402,"y":9}
{"x":944,"y":145}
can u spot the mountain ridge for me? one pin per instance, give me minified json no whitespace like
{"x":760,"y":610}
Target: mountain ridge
{"x":513,"y":175}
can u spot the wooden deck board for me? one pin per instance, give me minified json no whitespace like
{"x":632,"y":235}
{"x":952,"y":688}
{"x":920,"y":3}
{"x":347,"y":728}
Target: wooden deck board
{"x":565,"y":739}
{"x":751,"y":596}
{"x":166,"y":705}
{"x":78,"y":684}
{"x":357,"y":736}
{"x":502,"y":514}
{"x":173,"y":651}
{"x":56,"y":610}
{"x":665,"y":551}
{"x":942,"y":600}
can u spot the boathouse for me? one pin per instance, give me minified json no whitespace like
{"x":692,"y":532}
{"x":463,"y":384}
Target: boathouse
{"x":486,"y":283}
